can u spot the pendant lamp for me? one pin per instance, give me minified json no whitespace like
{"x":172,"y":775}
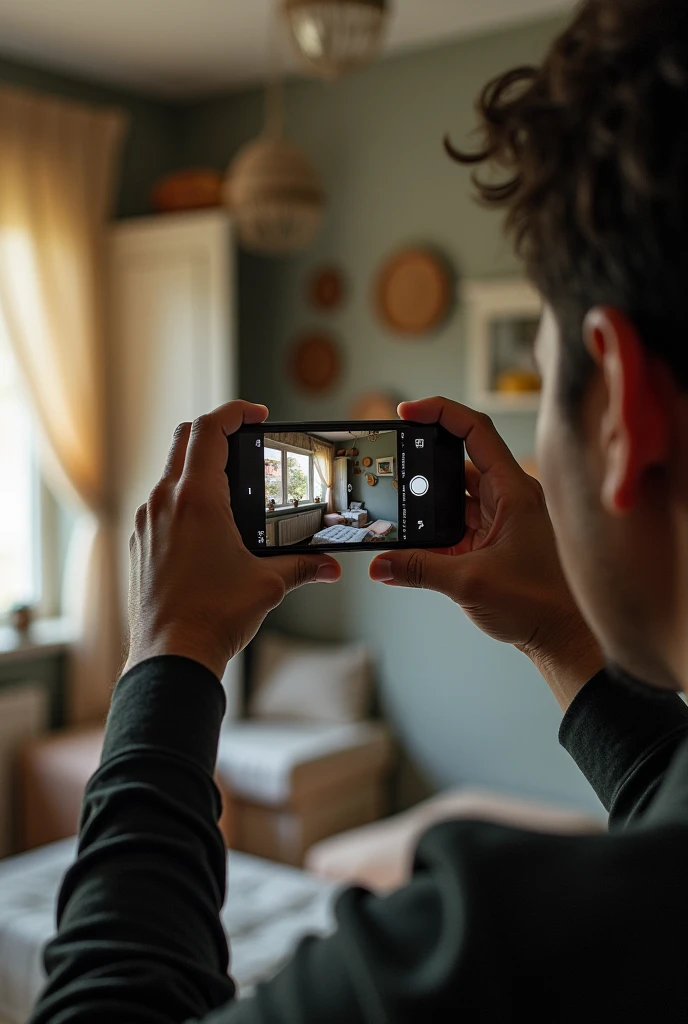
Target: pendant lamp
{"x":273,"y":189}
{"x":334,"y":37}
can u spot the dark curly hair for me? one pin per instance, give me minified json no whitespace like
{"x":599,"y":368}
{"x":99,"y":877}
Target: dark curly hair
{"x":588,"y":154}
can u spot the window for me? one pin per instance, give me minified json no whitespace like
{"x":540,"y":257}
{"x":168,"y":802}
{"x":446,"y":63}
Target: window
{"x":290,"y":475}
{"x":20,"y":569}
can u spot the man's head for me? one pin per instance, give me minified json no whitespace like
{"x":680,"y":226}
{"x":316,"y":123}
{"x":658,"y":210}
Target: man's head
{"x":590,"y":159}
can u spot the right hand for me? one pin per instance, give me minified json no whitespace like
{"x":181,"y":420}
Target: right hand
{"x":505,"y":574}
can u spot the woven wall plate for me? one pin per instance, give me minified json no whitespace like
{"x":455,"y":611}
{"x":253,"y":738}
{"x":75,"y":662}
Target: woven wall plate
{"x":315,"y":362}
{"x":326,"y":289}
{"x":367,"y":462}
{"x":413,"y":294}
{"x":371,"y":480}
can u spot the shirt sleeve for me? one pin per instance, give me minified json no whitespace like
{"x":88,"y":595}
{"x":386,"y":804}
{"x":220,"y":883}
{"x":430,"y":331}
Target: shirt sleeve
{"x":139,"y":933}
{"x":623,"y":737}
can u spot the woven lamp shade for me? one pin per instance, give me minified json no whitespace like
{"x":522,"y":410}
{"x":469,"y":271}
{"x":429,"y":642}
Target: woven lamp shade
{"x":334,"y":37}
{"x":276,"y":197}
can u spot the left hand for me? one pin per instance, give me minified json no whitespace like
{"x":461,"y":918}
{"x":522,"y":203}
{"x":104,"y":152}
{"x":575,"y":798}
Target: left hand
{"x":194,"y":588}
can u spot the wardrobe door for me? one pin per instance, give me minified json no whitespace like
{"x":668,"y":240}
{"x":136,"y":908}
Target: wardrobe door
{"x":172,"y":344}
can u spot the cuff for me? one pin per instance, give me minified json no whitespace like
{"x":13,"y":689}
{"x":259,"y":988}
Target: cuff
{"x":167,"y":702}
{"x":612,"y":723}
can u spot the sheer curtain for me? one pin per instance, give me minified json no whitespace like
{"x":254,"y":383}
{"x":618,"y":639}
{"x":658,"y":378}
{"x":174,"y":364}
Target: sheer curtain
{"x":58,"y":164}
{"x":324,"y":463}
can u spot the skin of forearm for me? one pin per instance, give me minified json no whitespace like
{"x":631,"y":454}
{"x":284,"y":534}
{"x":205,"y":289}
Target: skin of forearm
{"x":570,"y":659}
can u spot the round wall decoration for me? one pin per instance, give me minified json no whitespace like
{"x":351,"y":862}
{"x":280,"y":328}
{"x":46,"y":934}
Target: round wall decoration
{"x":367,"y":462}
{"x":375,"y":405}
{"x":414,"y":292}
{"x":371,"y":480}
{"x":326,"y":289}
{"x":315,"y":362}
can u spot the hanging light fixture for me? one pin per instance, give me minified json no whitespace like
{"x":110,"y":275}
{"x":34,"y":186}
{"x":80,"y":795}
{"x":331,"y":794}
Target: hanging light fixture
{"x":276,"y":196}
{"x":273,"y":189}
{"x":334,"y":37}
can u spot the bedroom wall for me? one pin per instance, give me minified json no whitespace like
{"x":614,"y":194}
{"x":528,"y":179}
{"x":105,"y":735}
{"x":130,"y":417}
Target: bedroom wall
{"x":467,"y":709}
{"x":382,"y":501}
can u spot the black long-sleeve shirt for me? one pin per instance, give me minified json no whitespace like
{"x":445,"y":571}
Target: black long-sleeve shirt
{"x":497,"y":924}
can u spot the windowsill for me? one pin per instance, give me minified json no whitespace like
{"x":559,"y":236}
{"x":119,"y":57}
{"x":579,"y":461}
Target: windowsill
{"x":305,"y":506}
{"x":45,"y":638}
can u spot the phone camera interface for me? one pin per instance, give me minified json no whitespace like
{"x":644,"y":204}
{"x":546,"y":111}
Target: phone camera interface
{"x":337,"y":487}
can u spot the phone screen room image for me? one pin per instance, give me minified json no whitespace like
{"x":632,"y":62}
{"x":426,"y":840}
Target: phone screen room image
{"x":337,"y":487}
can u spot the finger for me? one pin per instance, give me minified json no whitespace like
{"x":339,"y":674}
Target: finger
{"x":473,"y":514}
{"x":174,"y":467}
{"x":297,"y":570}
{"x":421,"y":570}
{"x":207,"y":449}
{"x":472,"y":479}
{"x":483,"y":443}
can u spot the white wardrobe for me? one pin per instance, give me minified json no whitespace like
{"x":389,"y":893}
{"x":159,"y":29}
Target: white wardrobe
{"x":172,"y":341}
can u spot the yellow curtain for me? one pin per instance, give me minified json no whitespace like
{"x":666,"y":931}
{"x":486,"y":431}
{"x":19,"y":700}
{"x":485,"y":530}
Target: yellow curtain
{"x":58,"y":164}
{"x":323,"y":457}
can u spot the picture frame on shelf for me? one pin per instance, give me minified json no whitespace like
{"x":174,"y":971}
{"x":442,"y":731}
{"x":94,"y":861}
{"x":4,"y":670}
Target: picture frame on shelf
{"x":502,"y":321}
{"x":385,"y":467}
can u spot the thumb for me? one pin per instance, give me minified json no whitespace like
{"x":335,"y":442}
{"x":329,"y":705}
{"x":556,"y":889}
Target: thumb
{"x":297,"y":570}
{"x":422,"y":570}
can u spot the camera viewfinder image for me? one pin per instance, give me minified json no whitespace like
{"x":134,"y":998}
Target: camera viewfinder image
{"x":338,"y":487}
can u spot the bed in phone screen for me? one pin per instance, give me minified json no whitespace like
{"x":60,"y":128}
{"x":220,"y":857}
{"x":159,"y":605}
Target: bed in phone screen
{"x":330,"y":487}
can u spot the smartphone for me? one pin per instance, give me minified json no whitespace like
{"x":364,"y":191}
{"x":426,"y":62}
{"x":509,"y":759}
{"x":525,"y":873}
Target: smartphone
{"x":350,"y":486}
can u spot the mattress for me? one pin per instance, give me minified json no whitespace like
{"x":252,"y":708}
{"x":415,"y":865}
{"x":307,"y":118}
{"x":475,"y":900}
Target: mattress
{"x":257,"y":760}
{"x":341,"y":535}
{"x":269,"y":909}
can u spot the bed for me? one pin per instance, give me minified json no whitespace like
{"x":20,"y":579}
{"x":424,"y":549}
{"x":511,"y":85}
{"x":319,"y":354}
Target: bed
{"x":269,"y":909}
{"x":341,"y":535}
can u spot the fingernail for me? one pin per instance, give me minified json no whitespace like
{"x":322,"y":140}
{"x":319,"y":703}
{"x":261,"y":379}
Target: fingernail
{"x":327,"y":574}
{"x":381,"y":570}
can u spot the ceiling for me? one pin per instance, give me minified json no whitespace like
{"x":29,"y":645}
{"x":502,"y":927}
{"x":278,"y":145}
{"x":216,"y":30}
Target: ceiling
{"x":185,"y":49}
{"x":345,"y":435}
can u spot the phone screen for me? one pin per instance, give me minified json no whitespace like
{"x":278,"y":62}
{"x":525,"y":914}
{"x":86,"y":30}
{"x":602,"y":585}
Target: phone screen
{"x":337,"y":486}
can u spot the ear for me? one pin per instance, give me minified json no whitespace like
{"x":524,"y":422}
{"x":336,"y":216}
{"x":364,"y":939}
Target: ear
{"x":634,"y":428}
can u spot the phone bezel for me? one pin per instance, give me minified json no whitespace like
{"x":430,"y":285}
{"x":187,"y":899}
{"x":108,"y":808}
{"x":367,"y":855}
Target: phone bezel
{"x":447,"y":450}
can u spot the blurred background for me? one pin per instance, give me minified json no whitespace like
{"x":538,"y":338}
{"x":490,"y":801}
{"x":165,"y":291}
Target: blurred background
{"x":221,"y":198}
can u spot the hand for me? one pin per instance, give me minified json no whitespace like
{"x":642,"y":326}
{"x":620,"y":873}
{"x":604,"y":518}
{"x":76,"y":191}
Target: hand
{"x":505,"y":573}
{"x":194,"y":588}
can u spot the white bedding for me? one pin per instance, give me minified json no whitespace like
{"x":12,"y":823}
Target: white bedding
{"x":269,"y":909}
{"x":341,"y":535}
{"x":257,"y":759}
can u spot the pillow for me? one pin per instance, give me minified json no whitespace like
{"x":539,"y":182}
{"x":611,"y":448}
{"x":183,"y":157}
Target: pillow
{"x":308,"y":682}
{"x":356,"y":506}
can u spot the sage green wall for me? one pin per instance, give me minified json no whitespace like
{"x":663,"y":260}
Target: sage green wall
{"x":468,"y":710}
{"x":382,"y":501}
{"x":152,"y":146}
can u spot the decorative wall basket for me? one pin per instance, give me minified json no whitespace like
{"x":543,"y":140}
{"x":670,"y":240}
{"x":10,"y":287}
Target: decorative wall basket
{"x":414,"y":292}
{"x":335,"y":37}
{"x":375,"y":405}
{"x":276,"y":197}
{"x":371,"y":480}
{"x":315,"y":363}
{"x":326,"y":289}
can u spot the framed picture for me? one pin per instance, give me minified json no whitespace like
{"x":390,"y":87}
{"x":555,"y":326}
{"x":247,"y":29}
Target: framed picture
{"x":385,"y":467}
{"x":502,"y":320}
